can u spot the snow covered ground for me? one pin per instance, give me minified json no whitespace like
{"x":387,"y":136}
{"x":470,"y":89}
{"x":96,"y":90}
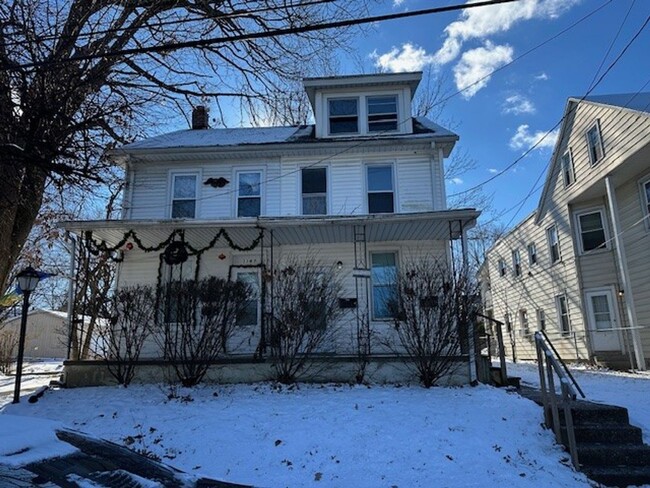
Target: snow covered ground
{"x":36,"y":373}
{"x":629,"y":390}
{"x":323,"y":435}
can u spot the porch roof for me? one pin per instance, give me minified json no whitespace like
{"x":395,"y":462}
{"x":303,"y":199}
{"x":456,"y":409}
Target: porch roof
{"x":293,"y":230}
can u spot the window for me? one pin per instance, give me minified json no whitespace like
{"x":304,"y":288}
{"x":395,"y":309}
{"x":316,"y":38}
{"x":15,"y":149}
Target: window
{"x":567,"y":168}
{"x":249,"y":194}
{"x":516,"y":263}
{"x":592,"y":231}
{"x":553,"y":244}
{"x":343,"y":115}
{"x":645,"y":197}
{"x":532,"y":254}
{"x":595,"y":144}
{"x":383,"y":276}
{"x":541,"y":320}
{"x":314,"y":191}
{"x":184,"y":189}
{"x":382,"y":113}
{"x":508,"y":323}
{"x":502,"y":267}
{"x":563,"y":314}
{"x":523,"y":323}
{"x":250,"y":315}
{"x":380,"y":189}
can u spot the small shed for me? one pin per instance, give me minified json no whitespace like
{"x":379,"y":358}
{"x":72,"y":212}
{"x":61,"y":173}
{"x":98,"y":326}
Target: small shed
{"x":46,"y":334}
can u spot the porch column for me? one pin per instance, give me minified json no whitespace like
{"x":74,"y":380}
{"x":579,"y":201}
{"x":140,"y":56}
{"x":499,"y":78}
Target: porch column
{"x":71,"y":282}
{"x":625,"y":274}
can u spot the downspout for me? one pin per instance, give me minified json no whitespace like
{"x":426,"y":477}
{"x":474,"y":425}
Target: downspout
{"x":128,"y":191}
{"x":625,"y":275}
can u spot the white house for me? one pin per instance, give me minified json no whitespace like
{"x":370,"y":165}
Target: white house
{"x":45,"y":334}
{"x":363,"y":187}
{"x":579,"y":266}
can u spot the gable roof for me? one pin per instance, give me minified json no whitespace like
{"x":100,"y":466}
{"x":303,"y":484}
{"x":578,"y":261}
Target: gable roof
{"x":635,"y":102}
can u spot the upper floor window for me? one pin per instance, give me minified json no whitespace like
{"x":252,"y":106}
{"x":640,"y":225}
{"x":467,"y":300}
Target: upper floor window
{"x":595,"y":144}
{"x":645,"y":198}
{"x":381,"y":198}
{"x":553,"y":244}
{"x":516,"y":262}
{"x":382,"y":113}
{"x":384,"y":282}
{"x":314,"y":191}
{"x":592,"y":231}
{"x":502,"y":267}
{"x":343,"y":115}
{"x":523,"y":323}
{"x":532,"y":254}
{"x":541,"y":319}
{"x":567,"y":168}
{"x":563,"y":314}
{"x":184,"y":191}
{"x":249,"y":194}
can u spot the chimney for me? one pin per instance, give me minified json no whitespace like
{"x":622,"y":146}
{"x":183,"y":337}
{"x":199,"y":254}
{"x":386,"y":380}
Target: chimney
{"x":200,"y":118}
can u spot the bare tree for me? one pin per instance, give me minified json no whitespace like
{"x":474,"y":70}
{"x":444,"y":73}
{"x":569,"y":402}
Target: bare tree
{"x":305,"y":310}
{"x":120,"y":337}
{"x":76,"y":79}
{"x":8,"y":343}
{"x":431,"y":308}
{"x":198,"y":319}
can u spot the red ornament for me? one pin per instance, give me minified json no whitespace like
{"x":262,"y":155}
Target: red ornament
{"x":222,"y":256}
{"x":129,"y":246}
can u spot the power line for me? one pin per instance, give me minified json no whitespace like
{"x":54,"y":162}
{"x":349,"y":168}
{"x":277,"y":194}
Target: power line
{"x":174,"y":46}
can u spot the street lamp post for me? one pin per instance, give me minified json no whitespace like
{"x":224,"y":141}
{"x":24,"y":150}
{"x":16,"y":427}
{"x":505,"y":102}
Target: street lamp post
{"x":27,"y":280}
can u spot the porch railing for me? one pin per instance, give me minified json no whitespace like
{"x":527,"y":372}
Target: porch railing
{"x":550,"y":365}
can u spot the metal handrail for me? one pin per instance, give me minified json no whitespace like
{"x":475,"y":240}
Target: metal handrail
{"x":564,"y":366}
{"x":549,"y":365}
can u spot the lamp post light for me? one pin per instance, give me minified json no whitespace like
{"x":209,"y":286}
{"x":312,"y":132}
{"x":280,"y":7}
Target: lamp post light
{"x":27,"y":280}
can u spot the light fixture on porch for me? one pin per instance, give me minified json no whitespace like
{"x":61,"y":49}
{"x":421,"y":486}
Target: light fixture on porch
{"x":27,"y":281}
{"x":339,"y":265}
{"x":621,"y":292}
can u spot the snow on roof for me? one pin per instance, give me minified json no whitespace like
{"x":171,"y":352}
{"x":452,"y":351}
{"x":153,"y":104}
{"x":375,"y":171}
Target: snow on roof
{"x":263,"y":135}
{"x":634,"y":101}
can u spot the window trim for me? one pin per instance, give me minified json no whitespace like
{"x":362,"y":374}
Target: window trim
{"x":327,"y":190}
{"x":595,"y":125}
{"x":550,"y":245}
{"x":172,"y":180}
{"x":393,"y":185}
{"x":558,"y":309}
{"x":395,"y":252}
{"x":603,"y":221}
{"x":403,"y":119}
{"x":571,"y":168}
{"x":261,"y":196}
{"x":359,"y":130}
{"x":532,"y":256}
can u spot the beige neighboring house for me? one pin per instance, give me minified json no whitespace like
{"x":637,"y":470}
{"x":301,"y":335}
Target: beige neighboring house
{"x":578,"y":267}
{"x":45,"y":334}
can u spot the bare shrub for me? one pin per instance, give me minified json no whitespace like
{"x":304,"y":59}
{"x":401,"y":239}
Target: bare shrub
{"x":198,"y":319}
{"x":431,"y":308}
{"x":8,"y":343}
{"x":120,"y":341}
{"x":304,"y":311}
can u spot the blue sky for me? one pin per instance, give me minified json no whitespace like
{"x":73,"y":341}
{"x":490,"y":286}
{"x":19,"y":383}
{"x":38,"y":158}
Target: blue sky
{"x":500,"y":118}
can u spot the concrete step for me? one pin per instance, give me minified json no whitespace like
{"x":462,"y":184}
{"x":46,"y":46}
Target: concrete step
{"x":605,"y":433}
{"x":586,"y":413}
{"x":628,"y":476}
{"x":600,"y":455}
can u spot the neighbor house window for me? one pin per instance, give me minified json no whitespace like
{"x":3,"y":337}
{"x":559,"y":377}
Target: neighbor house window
{"x":516,"y":263}
{"x":563,"y":314}
{"x":184,"y":190}
{"x":314,"y":191}
{"x":541,"y":320}
{"x":592,"y":231}
{"x":380,"y":189}
{"x":595,"y":144}
{"x":532,"y":254}
{"x":382,"y":113}
{"x":645,"y":190}
{"x":502,"y":267}
{"x":249,"y":194}
{"x":553,"y":244}
{"x":250,"y":313}
{"x":567,"y":168}
{"x":508,"y":323}
{"x":343,"y":115}
{"x":523,"y":323}
{"x":384,"y":281}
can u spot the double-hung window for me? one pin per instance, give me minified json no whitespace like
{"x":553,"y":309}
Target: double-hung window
{"x":645,"y":198}
{"x":553,"y":244}
{"x":523,"y":323}
{"x":563,"y":314}
{"x":249,"y":194}
{"x":381,"y":196}
{"x":502,"y":267}
{"x":382,"y":113}
{"x":568,"y":174}
{"x":343,"y":115}
{"x":541,"y":319}
{"x":314,"y":191}
{"x":184,"y":191}
{"x":516,"y":263}
{"x":384,"y":283}
{"x":592,"y":231}
{"x":532,"y":254}
{"x":595,"y":144}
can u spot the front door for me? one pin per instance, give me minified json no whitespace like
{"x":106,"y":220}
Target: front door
{"x":603,"y":320}
{"x":246,"y":335}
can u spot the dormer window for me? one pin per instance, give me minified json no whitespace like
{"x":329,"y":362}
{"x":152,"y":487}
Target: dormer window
{"x":382,"y":113}
{"x":343,"y":115}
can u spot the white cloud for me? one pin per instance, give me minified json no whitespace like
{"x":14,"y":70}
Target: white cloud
{"x":493,"y":171}
{"x":408,"y":58}
{"x":524,"y":139}
{"x":542,"y":76}
{"x":456,"y":181}
{"x":475,"y":67}
{"x":397,"y":3}
{"x":518,"y":104}
{"x":480,"y":22}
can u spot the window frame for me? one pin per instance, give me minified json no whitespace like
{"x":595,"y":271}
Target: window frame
{"x":172,"y":183}
{"x":393,"y":190}
{"x":524,"y":323}
{"x":395,"y":253}
{"x":579,"y":233}
{"x":645,"y":199}
{"x":238,"y":173}
{"x":541,"y":319}
{"x":502,"y":267}
{"x":368,"y":115}
{"x":326,"y":194}
{"x":559,"y":300}
{"x":549,"y":230}
{"x":571,"y":168}
{"x":357,"y":99}
{"x":595,"y":125}
{"x":531,"y":249}
{"x":516,"y":263}
{"x":236,"y":270}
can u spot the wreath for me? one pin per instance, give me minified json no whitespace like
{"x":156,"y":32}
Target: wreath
{"x":175,"y":253}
